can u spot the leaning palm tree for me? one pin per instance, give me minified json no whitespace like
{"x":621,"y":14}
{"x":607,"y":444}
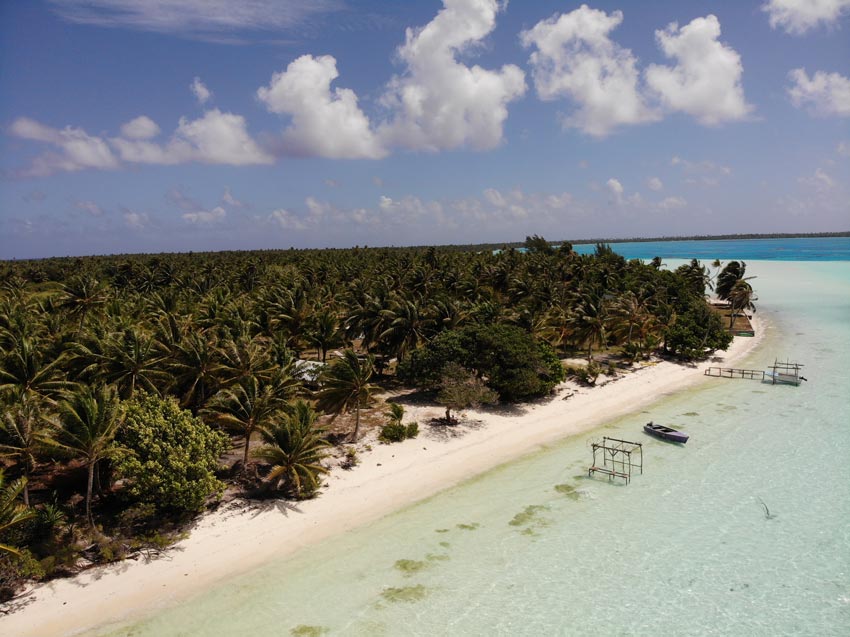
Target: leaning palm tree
{"x":25,"y":433}
{"x":740,"y":297}
{"x":294,"y":446}
{"x":90,"y":417}
{"x":346,"y":387}
{"x":12,"y":512}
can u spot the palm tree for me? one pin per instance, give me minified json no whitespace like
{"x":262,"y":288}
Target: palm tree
{"x":409,"y":325}
{"x":129,"y":360}
{"x":25,"y":432}
{"x":395,"y":413}
{"x":588,"y":322}
{"x":196,"y":368}
{"x":294,"y":447}
{"x":90,"y":417}
{"x":80,"y":295}
{"x":245,"y":358}
{"x":11,"y":512}
{"x":24,"y":370}
{"x":740,"y":297}
{"x":628,"y":312}
{"x":324,"y":332}
{"x":731,"y":274}
{"x":346,"y":387}
{"x":249,"y":405}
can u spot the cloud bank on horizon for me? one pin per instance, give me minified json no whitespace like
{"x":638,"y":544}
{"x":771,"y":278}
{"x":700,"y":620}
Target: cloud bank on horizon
{"x":469,"y":86}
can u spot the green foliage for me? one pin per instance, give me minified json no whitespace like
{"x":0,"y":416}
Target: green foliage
{"x":587,"y":373}
{"x":347,"y":386}
{"x":168,"y":456}
{"x":395,"y":430}
{"x":510,"y":361}
{"x":12,"y":512}
{"x":15,"y":570}
{"x":462,"y":389}
{"x":731,"y":274}
{"x":697,"y":331}
{"x":295,"y":447}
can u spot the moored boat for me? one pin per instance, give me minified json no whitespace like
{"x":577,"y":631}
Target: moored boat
{"x":665,"y":433}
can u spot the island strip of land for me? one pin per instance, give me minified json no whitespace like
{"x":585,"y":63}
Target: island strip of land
{"x":236,"y":538}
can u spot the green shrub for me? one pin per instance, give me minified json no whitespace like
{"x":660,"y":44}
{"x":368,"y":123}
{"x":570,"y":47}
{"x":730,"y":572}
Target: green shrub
{"x":167,"y":456}
{"x":412,"y":430}
{"x":393,"y":432}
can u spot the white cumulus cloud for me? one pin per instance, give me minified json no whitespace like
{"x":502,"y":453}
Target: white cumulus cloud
{"x":89,"y":207}
{"x":200,"y":91}
{"x":615,"y":188}
{"x":438,"y":102}
{"x":286,"y":219}
{"x":205,"y":216}
{"x":706,"y":80}
{"x":820,"y":181}
{"x":654,"y":183}
{"x":799,"y":16}
{"x":75,"y":149}
{"x":135,"y":220}
{"x":324,"y":123}
{"x":142,"y":127}
{"x":823,"y":94}
{"x":672,"y":203}
{"x":214,"y":138}
{"x":576,"y":59}
{"x":230,"y":200}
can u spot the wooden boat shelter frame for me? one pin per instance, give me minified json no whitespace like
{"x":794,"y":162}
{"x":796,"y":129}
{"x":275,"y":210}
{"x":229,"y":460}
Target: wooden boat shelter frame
{"x":617,"y":458}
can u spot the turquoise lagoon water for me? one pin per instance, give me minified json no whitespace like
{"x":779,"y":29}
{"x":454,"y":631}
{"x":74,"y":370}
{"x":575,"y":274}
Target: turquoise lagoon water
{"x":804,"y":249}
{"x":686,"y":549}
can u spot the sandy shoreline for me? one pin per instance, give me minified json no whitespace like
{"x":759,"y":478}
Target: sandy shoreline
{"x":236,"y":539}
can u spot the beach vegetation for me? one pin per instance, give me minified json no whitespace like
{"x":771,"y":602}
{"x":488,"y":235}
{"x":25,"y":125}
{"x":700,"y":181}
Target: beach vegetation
{"x":167,"y":456}
{"x":346,"y":385}
{"x":460,"y":389}
{"x":506,"y":358}
{"x":294,"y":446}
{"x":91,"y":347}
{"x":90,"y":418}
{"x":395,"y":430}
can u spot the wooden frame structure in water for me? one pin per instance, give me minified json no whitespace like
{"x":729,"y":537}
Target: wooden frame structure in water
{"x":617,"y":461}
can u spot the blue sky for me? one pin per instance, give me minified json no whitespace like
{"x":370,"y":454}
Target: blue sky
{"x":178,"y":125}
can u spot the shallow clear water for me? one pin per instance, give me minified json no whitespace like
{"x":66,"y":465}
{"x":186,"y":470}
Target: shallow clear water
{"x":803,"y":249}
{"x":687,"y":548}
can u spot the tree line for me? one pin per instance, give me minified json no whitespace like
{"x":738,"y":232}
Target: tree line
{"x":125,"y":380}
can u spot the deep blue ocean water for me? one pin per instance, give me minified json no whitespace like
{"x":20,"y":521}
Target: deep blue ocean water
{"x":804,"y":249}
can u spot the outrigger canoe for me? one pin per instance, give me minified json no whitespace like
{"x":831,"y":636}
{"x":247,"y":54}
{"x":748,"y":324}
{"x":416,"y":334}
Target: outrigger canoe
{"x":665,"y":433}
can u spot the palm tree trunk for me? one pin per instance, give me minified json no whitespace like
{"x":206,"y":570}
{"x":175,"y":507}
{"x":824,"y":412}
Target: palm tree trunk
{"x":88,"y":494}
{"x":245,"y":455}
{"x":356,"y":422}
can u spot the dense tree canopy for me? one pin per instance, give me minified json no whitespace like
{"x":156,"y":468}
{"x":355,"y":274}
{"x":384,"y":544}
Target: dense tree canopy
{"x":84,"y":341}
{"x":510,"y":361}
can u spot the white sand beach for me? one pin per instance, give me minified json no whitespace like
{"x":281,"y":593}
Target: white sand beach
{"x":237,"y":538}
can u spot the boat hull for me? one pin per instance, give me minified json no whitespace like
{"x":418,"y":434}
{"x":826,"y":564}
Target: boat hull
{"x":666,"y":433}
